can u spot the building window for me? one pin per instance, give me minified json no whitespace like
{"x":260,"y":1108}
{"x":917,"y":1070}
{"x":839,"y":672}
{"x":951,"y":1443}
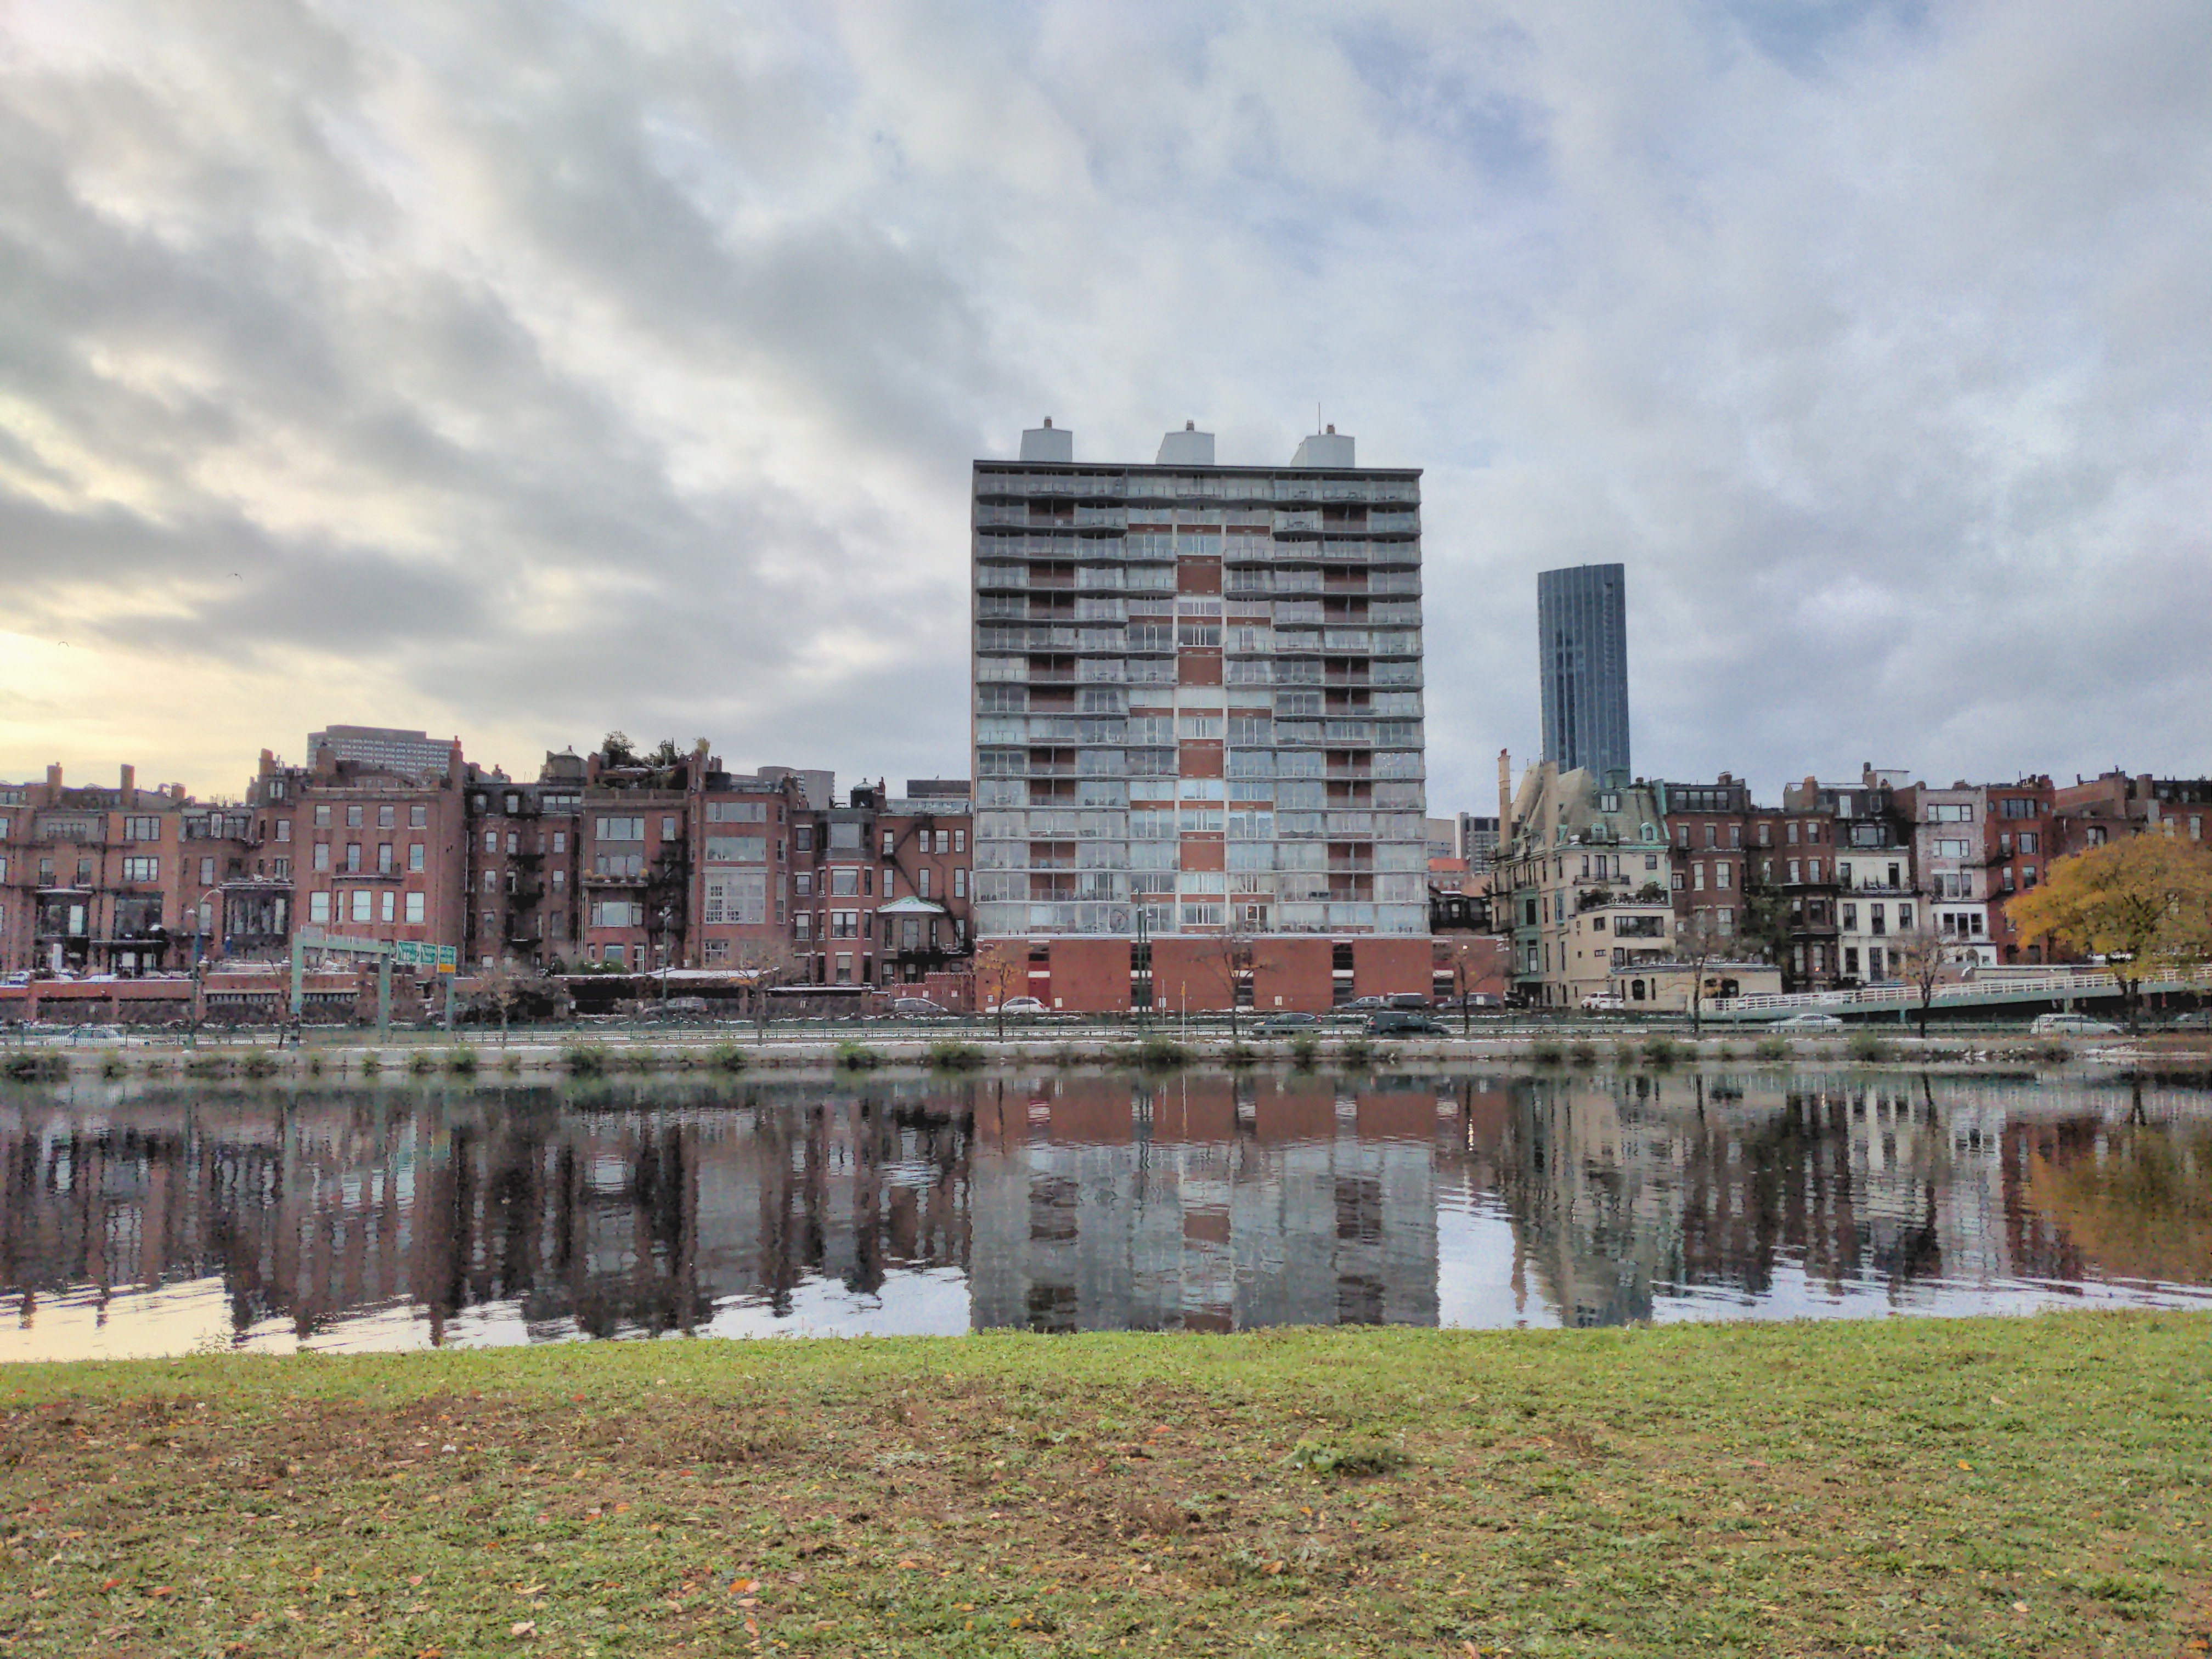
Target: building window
{"x":891,"y":842}
{"x":414,"y":903}
{"x":322,"y":816}
{"x":560,"y":879}
{"x":415,"y":856}
{"x":363,"y":905}
{"x":960,"y":882}
{"x":391,"y":904}
{"x":844,"y":883}
{"x":283,"y":829}
{"x":319,"y":907}
{"x":959,"y":841}
{"x":920,"y":882}
{"x":141,"y":869}
{"x":418,"y":817}
{"x":353,"y":855}
{"x":353,"y":818}
{"x":559,"y":840}
{"x":385,"y":817}
{"x":322,"y":859}
{"x":1721,"y":879}
{"x":667,"y":828}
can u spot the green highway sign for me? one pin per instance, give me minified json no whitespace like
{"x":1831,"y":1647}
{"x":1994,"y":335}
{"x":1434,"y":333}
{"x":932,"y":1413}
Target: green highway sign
{"x":449,"y":959}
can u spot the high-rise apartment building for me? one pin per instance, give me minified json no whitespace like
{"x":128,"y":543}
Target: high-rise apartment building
{"x":1583,"y":655}
{"x":1198,"y":697}
{"x":414,"y":753}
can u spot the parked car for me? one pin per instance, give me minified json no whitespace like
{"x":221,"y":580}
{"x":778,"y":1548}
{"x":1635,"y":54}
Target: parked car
{"x":922,"y":1007}
{"x":1403,"y":1022}
{"x":1013,"y":1006}
{"x":1288,"y":1025}
{"x":1809,"y":1023}
{"x":1603,"y":1003}
{"x":1413,"y":999}
{"x":2198,"y":1020}
{"x":1363,"y":1004}
{"x":1479,"y":1001}
{"x":2072,"y":1025}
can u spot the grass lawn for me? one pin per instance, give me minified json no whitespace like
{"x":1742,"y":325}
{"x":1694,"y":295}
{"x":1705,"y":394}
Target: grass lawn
{"x":2036,"y":1485}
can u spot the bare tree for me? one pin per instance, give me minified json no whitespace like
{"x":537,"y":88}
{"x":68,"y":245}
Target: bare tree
{"x":766,"y":963}
{"x":1232,"y":956}
{"x":1463,"y":958}
{"x":1920,"y":957}
{"x":503,"y":986}
{"x":1698,"y":943}
{"x":999,"y":973}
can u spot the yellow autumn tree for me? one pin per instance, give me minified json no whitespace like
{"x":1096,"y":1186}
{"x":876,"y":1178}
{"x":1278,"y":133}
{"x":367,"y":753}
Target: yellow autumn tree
{"x":2144,"y":904}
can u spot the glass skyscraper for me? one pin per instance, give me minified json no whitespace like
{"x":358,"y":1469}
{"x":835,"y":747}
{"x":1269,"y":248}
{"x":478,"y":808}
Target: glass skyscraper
{"x":1583,"y":627}
{"x":1197,"y":694}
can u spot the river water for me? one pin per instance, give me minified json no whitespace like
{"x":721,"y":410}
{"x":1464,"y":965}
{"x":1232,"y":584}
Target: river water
{"x":158,"y":1222}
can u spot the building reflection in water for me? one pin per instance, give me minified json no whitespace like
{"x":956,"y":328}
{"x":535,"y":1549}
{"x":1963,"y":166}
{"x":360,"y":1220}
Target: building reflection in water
{"x":1064,"y":1202}
{"x":1204,"y":1202}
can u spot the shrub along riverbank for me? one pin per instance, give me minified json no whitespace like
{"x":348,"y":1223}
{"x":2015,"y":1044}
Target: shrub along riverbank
{"x":2030,"y":1485}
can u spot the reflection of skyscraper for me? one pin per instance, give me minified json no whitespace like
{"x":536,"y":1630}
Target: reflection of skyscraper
{"x":1582,"y":627}
{"x":1210,"y":1203}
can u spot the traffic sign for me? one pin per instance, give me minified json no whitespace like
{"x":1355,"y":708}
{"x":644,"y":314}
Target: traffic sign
{"x":449,"y":959}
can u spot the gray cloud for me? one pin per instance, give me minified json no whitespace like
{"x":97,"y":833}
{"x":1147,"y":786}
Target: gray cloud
{"x":538,"y":371}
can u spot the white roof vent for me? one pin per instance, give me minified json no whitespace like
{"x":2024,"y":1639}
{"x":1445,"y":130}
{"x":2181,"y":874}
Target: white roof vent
{"x":1329,"y":449}
{"x":1047,"y":443}
{"x":1189,"y":447}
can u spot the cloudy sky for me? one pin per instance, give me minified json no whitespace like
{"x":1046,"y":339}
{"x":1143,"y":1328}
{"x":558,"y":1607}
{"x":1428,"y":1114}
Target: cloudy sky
{"x":523,"y":369}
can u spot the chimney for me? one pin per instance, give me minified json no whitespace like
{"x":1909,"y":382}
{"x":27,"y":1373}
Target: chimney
{"x":127,"y":791}
{"x":54,"y":785}
{"x":1504,"y":792}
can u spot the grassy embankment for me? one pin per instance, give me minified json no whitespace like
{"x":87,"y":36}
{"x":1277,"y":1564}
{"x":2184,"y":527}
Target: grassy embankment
{"x":2032,"y":1486}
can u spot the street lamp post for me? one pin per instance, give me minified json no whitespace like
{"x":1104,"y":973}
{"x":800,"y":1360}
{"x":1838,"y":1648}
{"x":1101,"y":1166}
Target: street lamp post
{"x":198,"y":968}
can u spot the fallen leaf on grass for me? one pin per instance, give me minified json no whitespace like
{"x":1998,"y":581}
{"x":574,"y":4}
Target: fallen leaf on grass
{"x":746,"y":1586}
{"x":523,"y":1627}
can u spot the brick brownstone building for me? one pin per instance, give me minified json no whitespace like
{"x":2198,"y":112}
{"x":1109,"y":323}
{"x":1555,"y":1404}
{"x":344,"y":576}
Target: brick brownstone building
{"x":97,"y":879}
{"x":369,"y":852}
